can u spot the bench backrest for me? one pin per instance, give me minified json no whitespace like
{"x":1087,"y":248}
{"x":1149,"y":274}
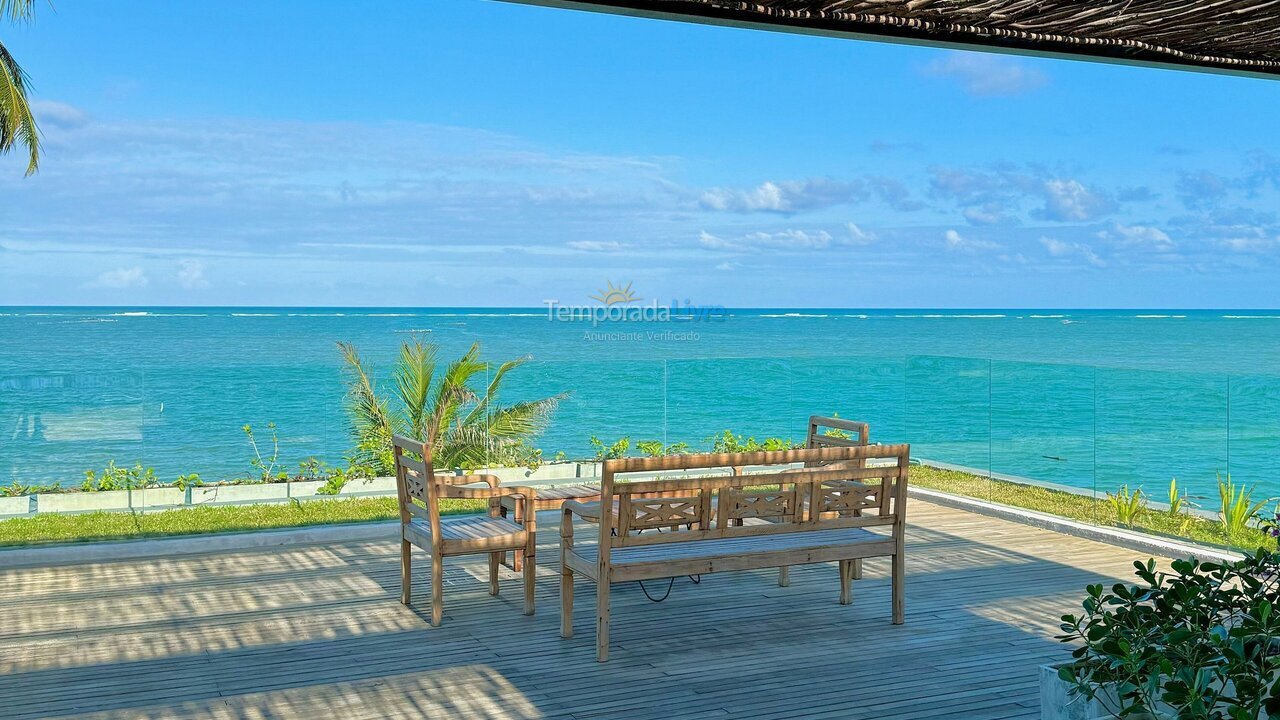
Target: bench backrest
{"x":848,"y":433}
{"x":837,"y":487}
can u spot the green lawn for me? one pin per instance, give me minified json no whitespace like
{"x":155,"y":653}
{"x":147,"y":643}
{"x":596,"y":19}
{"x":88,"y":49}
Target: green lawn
{"x":1084,"y":508}
{"x":54,"y":528}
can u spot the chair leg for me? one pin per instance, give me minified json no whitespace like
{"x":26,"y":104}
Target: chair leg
{"x":857,"y":569}
{"x":493,"y":572}
{"x":530,"y":570}
{"x":846,"y":575}
{"x":784,"y":576}
{"x":899,"y":591}
{"x":406,"y":562}
{"x":566,"y":601}
{"x":437,"y":589}
{"x":602,"y":620}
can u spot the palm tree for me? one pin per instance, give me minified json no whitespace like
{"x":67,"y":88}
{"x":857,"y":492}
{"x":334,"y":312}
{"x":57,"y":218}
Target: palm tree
{"x":466,"y":428}
{"x":17,"y":124}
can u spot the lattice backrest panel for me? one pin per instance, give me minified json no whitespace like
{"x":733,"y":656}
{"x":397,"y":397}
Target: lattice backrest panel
{"x":848,"y":497}
{"x":740,"y":504}
{"x":644,"y":513}
{"x":415,"y":483}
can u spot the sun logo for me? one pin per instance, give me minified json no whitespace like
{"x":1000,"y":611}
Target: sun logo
{"x":614,"y":294}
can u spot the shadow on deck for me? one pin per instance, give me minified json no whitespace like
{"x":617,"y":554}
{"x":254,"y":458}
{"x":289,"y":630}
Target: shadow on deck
{"x":318,"y":632}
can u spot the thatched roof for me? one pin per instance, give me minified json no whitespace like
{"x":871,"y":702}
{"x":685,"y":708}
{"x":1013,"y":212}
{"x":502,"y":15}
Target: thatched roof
{"x":1226,"y":35}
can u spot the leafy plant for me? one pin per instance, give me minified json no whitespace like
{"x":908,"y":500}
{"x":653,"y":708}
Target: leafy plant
{"x":1237,"y":508}
{"x":313,"y":468}
{"x":727,"y":442}
{"x":266,"y":465}
{"x":114,"y":477}
{"x":1177,"y":499}
{"x":1127,"y":506}
{"x":188,"y":481}
{"x":334,"y":484}
{"x":655,"y":448}
{"x":1197,"y":642}
{"x":611,"y":452}
{"x":466,"y":426}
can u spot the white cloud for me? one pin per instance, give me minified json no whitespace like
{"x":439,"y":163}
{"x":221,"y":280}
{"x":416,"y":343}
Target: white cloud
{"x":986,"y":75}
{"x":727,"y":266}
{"x":121,"y":278}
{"x":50,"y":113}
{"x":191,"y":274}
{"x":956,"y":242}
{"x":596,"y":245}
{"x":1069,"y":200}
{"x":784,"y":197}
{"x":858,"y":236}
{"x":1060,"y":249}
{"x":1143,"y":236}
{"x":789,"y":240}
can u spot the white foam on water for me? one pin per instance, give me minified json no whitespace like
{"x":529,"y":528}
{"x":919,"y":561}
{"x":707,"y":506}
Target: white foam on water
{"x":1158,"y":317}
{"x":255,"y":314}
{"x":794,"y":315}
{"x":1046,"y":316}
{"x":1252,"y":317}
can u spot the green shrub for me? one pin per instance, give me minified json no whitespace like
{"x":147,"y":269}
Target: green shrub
{"x":1127,"y":506}
{"x":1198,"y":642}
{"x":114,"y":477}
{"x":1237,"y":507}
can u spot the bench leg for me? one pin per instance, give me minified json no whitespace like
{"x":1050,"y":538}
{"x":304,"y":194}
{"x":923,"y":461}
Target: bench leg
{"x":846,"y":575}
{"x":857,"y":569}
{"x":437,"y":589}
{"x":602,"y":620}
{"x":784,"y":576}
{"x":566,"y":601}
{"x":899,"y":592}
{"x":530,"y":571}
{"x":493,"y":571}
{"x":406,"y":562}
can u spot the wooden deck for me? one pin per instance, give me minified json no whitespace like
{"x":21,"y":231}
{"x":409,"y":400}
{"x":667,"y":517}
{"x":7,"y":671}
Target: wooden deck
{"x":317,"y":632}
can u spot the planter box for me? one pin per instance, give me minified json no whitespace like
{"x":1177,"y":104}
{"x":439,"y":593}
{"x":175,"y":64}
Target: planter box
{"x":1058,"y":702}
{"x":20,"y":505}
{"x":305,"y":489}
{"x":370,"y":486}
{"x":159,"y":497}
{"x":82,"y":501}
{"x":224,"y":494}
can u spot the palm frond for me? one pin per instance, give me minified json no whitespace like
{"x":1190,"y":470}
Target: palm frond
{"x":18,"y":11}
{"x":454,"y":391}
{"x":16,"y":121}
{"x":522,"y":419}
{"x":490,"y":396}
{"x":414,"y":372}
{"x":372,"y":421}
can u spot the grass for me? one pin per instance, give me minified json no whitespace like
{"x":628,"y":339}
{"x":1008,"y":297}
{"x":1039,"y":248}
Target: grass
{"x":55,"y":528}
{"x":1087,"y":509}
{"x":88,"y":527}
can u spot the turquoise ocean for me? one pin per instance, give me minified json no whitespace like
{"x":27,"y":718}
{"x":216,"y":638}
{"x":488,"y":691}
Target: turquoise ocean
{"x":1085,"y":398}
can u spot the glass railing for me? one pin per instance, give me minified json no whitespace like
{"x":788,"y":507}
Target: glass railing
{"x":1082,"y":430}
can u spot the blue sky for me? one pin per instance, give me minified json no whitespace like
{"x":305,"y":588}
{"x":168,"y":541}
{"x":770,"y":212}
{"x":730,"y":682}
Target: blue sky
{"x":468,"y":152}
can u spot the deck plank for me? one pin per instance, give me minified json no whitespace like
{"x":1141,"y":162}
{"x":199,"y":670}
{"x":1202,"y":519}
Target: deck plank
{"x":318,"y":631}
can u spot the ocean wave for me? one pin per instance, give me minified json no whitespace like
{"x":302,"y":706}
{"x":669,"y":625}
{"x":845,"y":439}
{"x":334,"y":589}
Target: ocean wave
{"x":1251,"y":317}
{"x":1043,"y":317}
{"x":255,"y":314}
{"x":794,"y":315}
{"x":949,"y":315}
{"x":89,"y":320}
{"x":415,"y":330}
{"x":495,"y":315}
{"x":1158,"y":317}
{"x":312,"y":315}
{"x":393,"y":315}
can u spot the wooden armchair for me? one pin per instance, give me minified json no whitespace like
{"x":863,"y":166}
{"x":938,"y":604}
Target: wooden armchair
{"x":420,"y":491}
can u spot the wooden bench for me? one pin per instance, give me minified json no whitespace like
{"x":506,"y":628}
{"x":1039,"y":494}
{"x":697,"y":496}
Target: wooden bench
{"x":841,"y":508}
{"x":419,"y":490}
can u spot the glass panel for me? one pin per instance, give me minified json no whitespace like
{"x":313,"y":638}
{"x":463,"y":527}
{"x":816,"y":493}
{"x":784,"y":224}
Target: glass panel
{"x":1254,"y":449}
{"x":57,"y":425}
{"x":1154,"y":426}
{"x":609,"y":400}
{"x":866,"y":389}
{"x":1042,"y":427}
{"x":751,"y":397}
{"x":948,"y":413}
